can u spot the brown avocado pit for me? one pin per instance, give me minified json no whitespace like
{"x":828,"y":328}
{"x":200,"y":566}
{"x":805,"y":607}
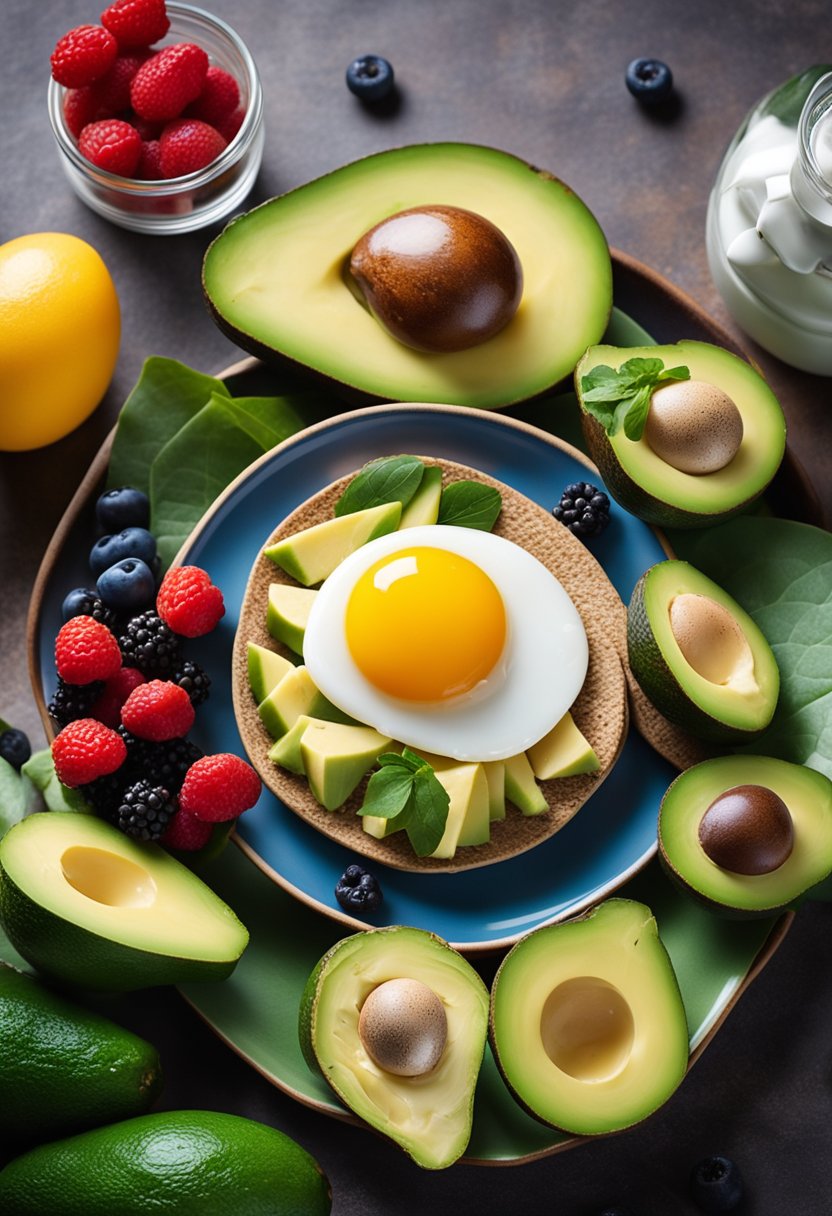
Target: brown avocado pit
{"x":403,"y":1027}
{"x":438,"y":278}
{"x":693,"y":426}
{"x":748,"y":830}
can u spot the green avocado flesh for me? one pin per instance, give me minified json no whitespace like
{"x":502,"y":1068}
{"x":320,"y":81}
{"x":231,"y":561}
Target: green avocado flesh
{"x":84,"y":903}
{"x":430,"y":1115}
{"x":806,"y":793}
{"x":587,"y":1022}
{"x":655,"y":490}
{"x":731,"y":693}
{"x":274,"y":279}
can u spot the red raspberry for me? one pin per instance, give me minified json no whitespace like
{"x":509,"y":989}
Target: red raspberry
{"x":169,"y":80}
{"x":80,"y":108}
{"x":219,"y":97}
{"x":85,"y":750}
{"x":112,"y":92}
{"x":147,"y":130}
{"x":136,"y":22}
{"x":107,"y":708}
{"x":187,"y":833}
{"x":187,"y":601}
{"x":187,"y":145}
{"x":83,"y":55}
{"x":228,"y":127}
{"x":150,"y":162}
{"x":217,"y":788}
{"x":86,"y":650}
{"x":112,"y":145}
{"x":159,"y":710}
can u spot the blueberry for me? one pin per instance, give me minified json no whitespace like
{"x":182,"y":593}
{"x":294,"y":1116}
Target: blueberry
{"x":358,"y":891}
{"x":123,"y":508}
{"x":79,"y":602}
{"x":128,"y":585}
{"x":370,"y":77}
{"x":130,"y":542}
{"x":649,"y":80}
{"x":15,"y":747}
{"x":716,"y":1185}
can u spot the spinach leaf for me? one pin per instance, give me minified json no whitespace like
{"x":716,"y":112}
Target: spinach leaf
{"x":469,"y":504}
{"x":388,"y":479}
{"x":781,"y":573}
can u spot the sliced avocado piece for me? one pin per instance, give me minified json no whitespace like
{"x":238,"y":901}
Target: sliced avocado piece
{"x":656,"y":491}
{"x":276,"y":275}
{"x":54,"y":1051}
{"x":808,"y":799}
{"x":295,"y":695}
{"x":429,"y":1115}
{"x":423,"y":507}
{"x":564,"y":752}
{"x":140,"y":1165}
{"x":286,"y":751}
{"x":266,"y":669}
{"x":699,"y":656}
{"x":495,"y":775}
{"x":287,"y":614}
{"x":587,"y":1026}
{"x":521,"y":787}
{"x":335,"y":757}
{"x":468,"y":821}
{"x":85,"y":904}
{"x":379,"y":827}
{"x":311,"y":555}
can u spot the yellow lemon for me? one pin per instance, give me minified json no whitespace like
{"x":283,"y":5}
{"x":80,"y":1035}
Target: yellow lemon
{"x":59,"y":337}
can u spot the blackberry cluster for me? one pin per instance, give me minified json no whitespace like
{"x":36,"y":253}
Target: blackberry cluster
{"x":194,"y":680}
{"x":84,"y":602}
{"x":144,"y":810}
{"x":73,"y":701}
{"x":163,"y":764}
{"x":105,"y":792}
{"x":148,"y":643}
{"x":357,"y":890}
{"x":583,"y":508}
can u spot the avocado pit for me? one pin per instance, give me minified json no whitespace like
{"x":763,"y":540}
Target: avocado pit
{"x":693,"y":426}
{"x":106,"y":878}
{"x":712,"y":642}
{"x":587,"y":1029}
{"x":403,"y":1027}
{"x":438,"y":278}
{"x":748,"y":830}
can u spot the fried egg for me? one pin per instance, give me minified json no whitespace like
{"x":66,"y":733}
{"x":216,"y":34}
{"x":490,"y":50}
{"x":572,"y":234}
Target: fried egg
{"x":449,"y":640}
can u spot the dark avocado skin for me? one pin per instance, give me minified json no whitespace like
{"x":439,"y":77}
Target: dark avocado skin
{"x":661,"y":686}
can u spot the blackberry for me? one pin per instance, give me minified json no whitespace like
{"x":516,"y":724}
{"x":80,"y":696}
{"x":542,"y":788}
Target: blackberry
{"x":83,"y":601}
{"x":105,"y":792}
{"x":160,"y":763}
{"x":73,"y":701}
{"x":583,"y":508}
{"x":144,"y":810}
{"x":357,"y":890}
{"x":15,"y":747}
{"x":147,"y":643}
{"x":194,"y":680}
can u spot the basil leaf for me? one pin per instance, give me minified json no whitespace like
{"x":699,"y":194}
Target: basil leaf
{"x":403,"y":759}
{"x":603,"y":383}
{"x":635,"y":417}
{"x":388,"y":479}
{"x":622,"y":398}
{"x":603,"y":412}
{"x":388,"y":791}
{"x":425,"y":826}
{"x":675,"y":373}
{"x":469,"y":504}
{"x":40,"y":770}
{"x":639,"y":372}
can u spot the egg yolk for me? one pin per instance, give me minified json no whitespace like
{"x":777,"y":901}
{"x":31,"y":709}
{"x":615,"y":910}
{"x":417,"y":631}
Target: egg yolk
{"x":425,"y":624}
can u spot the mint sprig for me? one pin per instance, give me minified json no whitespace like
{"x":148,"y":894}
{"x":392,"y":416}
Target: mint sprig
{"x":407,"y":791}
{"x":622,"y":398}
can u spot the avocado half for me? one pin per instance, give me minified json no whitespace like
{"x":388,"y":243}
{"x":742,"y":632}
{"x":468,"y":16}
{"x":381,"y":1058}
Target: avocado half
{"x":808,"y":797}
{"x":654,"y":490}
{"x":722,"y":682}
{"x":430,"y":1116}
{"x":89,"y":906}
{"x":587,"y":1022}
{"x":274,"y":279}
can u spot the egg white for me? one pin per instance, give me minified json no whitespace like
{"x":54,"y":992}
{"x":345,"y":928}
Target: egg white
{"x":541,"y":671}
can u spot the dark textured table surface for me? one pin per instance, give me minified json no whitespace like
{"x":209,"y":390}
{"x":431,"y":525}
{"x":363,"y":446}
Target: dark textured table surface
{"x":545,"y":81}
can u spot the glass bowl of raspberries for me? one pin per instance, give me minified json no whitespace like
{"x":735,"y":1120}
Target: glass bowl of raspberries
{"x":157,"y":111}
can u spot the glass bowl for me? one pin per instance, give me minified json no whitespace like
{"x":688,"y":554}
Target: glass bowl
{"x":179,"y":204}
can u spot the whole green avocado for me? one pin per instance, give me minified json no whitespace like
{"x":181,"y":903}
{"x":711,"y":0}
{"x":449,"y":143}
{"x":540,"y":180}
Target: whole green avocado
{"x":191,"y":1163}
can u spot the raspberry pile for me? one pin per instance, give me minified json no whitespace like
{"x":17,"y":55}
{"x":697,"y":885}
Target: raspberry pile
{"x":126,"y":696}
{"x":139,"y":112}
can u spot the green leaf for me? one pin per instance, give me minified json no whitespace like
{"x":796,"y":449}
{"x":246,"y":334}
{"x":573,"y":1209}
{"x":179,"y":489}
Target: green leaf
{"x":166,"y":396}
{"x":426,"y":823}
{"x":12,"y":797}
{"x":388,"y":479}
{"x":622,"y":398}
{"x":640,"y":371}
{"x":469,"y":504}
{"x":40,"y":770}
{"x":675,"y":373}
{"x":404,"y":759}
{"x":781,"y":573}
{"x":636,"y":416}
{"x":388,"y":791}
